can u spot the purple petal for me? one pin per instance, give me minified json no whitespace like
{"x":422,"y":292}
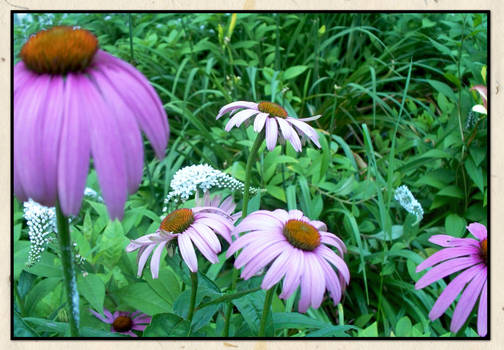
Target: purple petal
{"x":290,"y":134}
{"x":467,"y":301}
{"x":449,"y":241}
{"x":334,"y":259}
{"x":452,"y":290}
{"x":74,"y":153}
{"x":271,"y":133}
{"x":208,"y":235}
{"x":482,"y":312}
{"x":332,"y":239}
{"x":143,"y":318}
{"x":239,"y":118}
{"x":295,"y":214}
{"x":140,"y":97}
{"x":107,"y":319}
{"x":258,"y":248}
{"x":215,"y":226}
{"x":259,"y":121}
{"x":292,"y":277}
{"x":319,"y":225}
{"x":202,"y":245}
{"x":309,"y":119}
{"x":445,"y":254}
{"x":144,"y":255}
{"x":139,"y":327}
{"x":478,"y":230}
{"x":246,"y":239}
{"x":108,"y":156}
{"x":318,"y":284}
{"x":444,"y":269}
{"x":156,"y":260}
{"x":306,"y":129}
{"x":332,"y":281}
{"x":263,"y":259}
{"x":187,"y":252}
{"x":258,"y":222}
{"x":277,"y":270}
{"x":306,"y":285}
{"x":234,"y":105}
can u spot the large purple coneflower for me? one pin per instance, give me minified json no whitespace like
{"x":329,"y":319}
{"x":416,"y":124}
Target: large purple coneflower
{"x":197,"y":226}
{"x":460,"y":254}
{"x":297,"y":248}
{"x":270,"y":116}
{"x":73,"y":101}
{"x":124,"y":322}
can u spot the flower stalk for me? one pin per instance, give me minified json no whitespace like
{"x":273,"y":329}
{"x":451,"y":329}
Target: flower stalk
{"x":68,"y":271}
{"x":194,"y":289}
{"x":267,"y":307}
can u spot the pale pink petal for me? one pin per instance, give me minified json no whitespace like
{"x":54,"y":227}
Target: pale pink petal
{"x":234,"y":105}
{"x":332,"y":281}
{"x":306,"y":285}
{"x":466,"y":302}
{"x":187,"y":252}
{"x":143,"y":256}
{"x":306,"y":129}
{"x":156,"y":260}
{"x":334,"y":259}
{"x":309,"y":119}
{"x":290,"y":134}
{"x":202,"y":245}
{"x":449,"y":241}
{"x":319,"y":225}
{"x":445,"y":254}
{"x":331,"y":239}
{"x":318,"y":284}
{"x":482,"y":312}
{"x":259,"y":121}
{"x":263,"y":258}
{"x":271,"y":133}
{"x":257,"y":249}
{"x":105,"y":319}
{"x":246,"y":239}
{"x":277,"y":270}
{"x":478,"y":230}
{"x":292,"y":277}
{"x":239,"y":118}
{"x":482,"y":90}
{"x":215,"y":226}
{"x":295,"y":214}
{"x":209,"y":235}
{"x":444,"y":269}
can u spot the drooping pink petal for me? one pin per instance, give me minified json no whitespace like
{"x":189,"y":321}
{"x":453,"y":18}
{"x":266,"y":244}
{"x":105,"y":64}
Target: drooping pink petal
{"x":307,"y":130}
{"x":478,"y":230}
{"x":271,"y":133}
{"x":73,"y":160}
{"x":109,"y":159}
{"x":482,"y":312}
{"x":239,"y":118}
{"x":277,"y":270}
{"x":444,"y":269}
{"x":292,"y":277}
{"x":290,"y":134}
{"x":143,"y":256}
{"x":332,"y":239}
{"x":142,"y":318}
{"x":309,"y":119}
{"x":466,"y":302}
{"x":202,"y":245}
{"x":105,"y":319}
{"x":187,"y":252}
{"x":254,"y":223}
{"x":244,"y":240}
{"x":445,"y":254}
{"x":306,"y":286}
{"x":255,"y":249}
{"x":209,"y":235}
{"x":318,"y":284}
{"x":140,"y":97}
{"x":259,"y":121}
{"x":234,"y":105}
{"x":452,"y":290}
{"x":449,"y":241}
{"x":156,"y":260}
{"x":482,"y":90}
{"x":263,"y":259}
{"x":332,"y":281}
{"x":334,"y":259}
{"x":127,"y":126}
{"x":215,"y":226}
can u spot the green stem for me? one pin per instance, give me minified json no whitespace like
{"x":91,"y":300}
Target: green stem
{"x":228,"y":297}
{"x":68,"y":271}
{"x":194,"y":289}
{"x":131,"y":38}
{"x":246,"y":195}
{"x":267,"y":306}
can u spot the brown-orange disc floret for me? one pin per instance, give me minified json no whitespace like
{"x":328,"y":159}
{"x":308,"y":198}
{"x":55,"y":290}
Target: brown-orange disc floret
{"x":301,"y":235}
{"x":483,"y":250}
{"x":272,"y":109}
{"x":59,"y":50}
{"x":177,"y":221}
{"x":122,"y":324}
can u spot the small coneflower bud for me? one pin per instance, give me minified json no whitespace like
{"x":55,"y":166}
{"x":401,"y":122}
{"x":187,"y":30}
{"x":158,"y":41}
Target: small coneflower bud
{"x":59,"y":50}
{"x":273,"y":109}
{"x":301,"y":235}
{"x":177,"y":221}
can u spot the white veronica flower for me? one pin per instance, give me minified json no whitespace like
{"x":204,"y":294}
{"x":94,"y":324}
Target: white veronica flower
{"x":406,"y":199}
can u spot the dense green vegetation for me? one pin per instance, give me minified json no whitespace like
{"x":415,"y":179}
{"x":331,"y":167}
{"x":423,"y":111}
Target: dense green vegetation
{"x":393,"y":92}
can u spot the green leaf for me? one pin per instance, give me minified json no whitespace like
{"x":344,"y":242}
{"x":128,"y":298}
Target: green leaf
{"x":475,"y":173}
{"x":37,"y":293}
{"x":332,"y":331}
{"x":442,"y":88}
{"x":141,"y":297}
{"x":251,"y":306}
{"x":297,"y":321}
{"x":293,"y":72}
{"x":60,"y":328}
{"x":111,"y":244}
{"x":403,"y":327}
{"x":455,"y":225}
{"x":167,"y":325}
{"x":92,"y":288}
{"x":167,"y":285}
{"x":371,"y":331}
{"x":48,"y":266}
{"x":451,"y":191}
{"x":397,"y":232}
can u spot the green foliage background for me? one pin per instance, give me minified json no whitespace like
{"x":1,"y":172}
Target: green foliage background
{"x":393,"y":92}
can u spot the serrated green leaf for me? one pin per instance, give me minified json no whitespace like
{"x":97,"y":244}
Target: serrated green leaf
{"x":92,"y":288}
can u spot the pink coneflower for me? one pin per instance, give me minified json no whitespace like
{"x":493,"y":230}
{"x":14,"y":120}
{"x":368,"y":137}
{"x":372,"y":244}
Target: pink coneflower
{"x":482,"y":91}
{"x":198,"y":225}
{"x":73,"y":101}
{"x":269,"y":115}
{"x":297,"y":248}
{"x":461,"y":254}
{"x":124,"y":322}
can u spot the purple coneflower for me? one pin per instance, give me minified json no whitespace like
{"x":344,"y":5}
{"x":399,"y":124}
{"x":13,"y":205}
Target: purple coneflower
{"x":124,"y":322}
{"x":297,"y":248}
{"x":198,"y":225}
{"x":73,"y":101}
{"x":460,"y":254}
{"x":269,"y":115}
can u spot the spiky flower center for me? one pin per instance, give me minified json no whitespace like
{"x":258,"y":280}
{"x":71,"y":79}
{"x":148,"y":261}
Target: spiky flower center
{"x":301,"y":235}
{"x":272,"y":109}
{"x":178,"y":221}
{"x":122,"y":324}
{"x":483,"y":250}
{"x":59,"y":50}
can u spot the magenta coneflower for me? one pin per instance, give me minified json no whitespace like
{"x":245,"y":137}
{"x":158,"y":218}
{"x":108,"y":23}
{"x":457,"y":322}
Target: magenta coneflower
{"x":460,"y":254}
{"x":197,"y":226}
{"x":296,"y":246}
{"x":73,"y":101}
{"x":124,"y":322}
{"x":269,"y":115}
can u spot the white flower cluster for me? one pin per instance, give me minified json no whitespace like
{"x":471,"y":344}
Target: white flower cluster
{"x":89,"y":192}
{"x":189,"y":179}
{"x":41,"y":223}
{"x":406,"y":199}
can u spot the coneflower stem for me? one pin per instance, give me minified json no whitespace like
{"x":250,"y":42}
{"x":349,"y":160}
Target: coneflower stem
{"x":68,"y":270}
{"x":267,"y":306}
{"x":194,"y":289}
{"x":246,"y":195}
